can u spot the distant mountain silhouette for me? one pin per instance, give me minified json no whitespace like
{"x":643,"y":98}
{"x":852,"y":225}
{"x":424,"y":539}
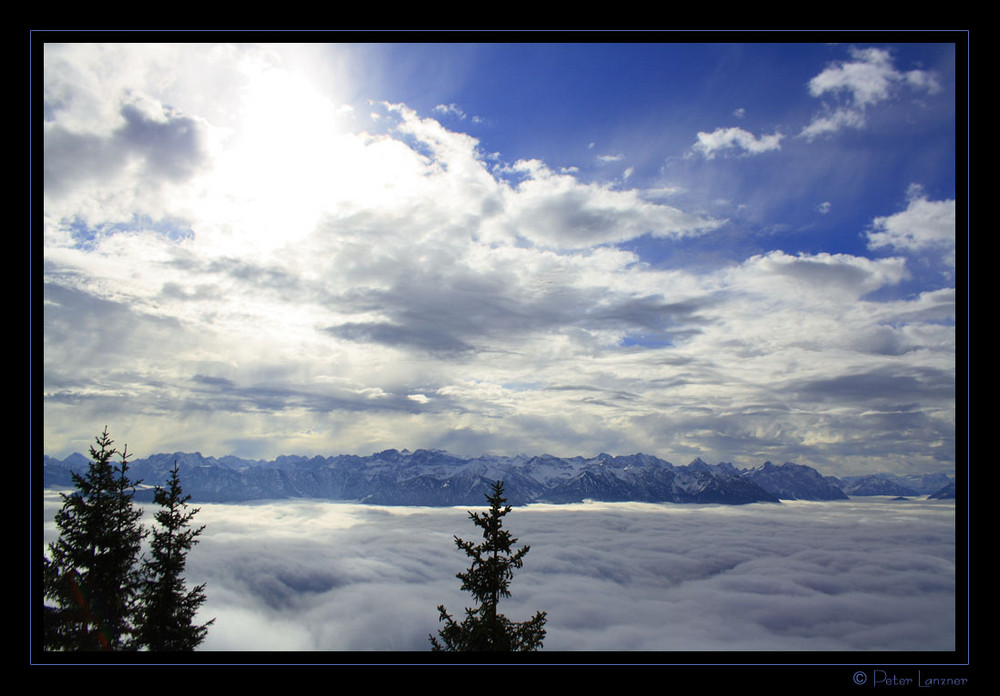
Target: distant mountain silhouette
{"x":438,"y":478}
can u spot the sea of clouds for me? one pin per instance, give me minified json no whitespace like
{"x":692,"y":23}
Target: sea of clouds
{"x":859,"y":575}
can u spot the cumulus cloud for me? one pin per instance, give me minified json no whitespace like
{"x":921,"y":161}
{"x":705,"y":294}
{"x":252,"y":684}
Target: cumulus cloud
{"x":156,"y":142}
{"x":558,"y":211}
{"x":859,"y":575}
{"x":841,"y":274}
{"x":734,"y":138}
{"x":870,"y":77}
{"x":925,"y":225}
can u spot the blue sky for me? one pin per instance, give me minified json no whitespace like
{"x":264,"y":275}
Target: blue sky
{"x":734,"y":251}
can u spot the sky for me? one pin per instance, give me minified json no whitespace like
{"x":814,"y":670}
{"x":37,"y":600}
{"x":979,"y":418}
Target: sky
{"x":869,"y":574}
{"x":739,"y":251}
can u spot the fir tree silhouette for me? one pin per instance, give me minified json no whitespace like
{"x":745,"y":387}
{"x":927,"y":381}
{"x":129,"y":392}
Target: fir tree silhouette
{"x":488,"y":580}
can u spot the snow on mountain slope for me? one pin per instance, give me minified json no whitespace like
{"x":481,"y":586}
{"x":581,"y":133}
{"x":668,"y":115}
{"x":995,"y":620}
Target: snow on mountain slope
{"x":438,"y":478}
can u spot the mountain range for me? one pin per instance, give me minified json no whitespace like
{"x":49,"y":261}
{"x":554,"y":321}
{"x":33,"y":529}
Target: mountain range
{"x":438,"y":478}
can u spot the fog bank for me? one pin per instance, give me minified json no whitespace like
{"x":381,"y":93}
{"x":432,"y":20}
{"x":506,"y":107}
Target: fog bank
{"x":865,"y":574}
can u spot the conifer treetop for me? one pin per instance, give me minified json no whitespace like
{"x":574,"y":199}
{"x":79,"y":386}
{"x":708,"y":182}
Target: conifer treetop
{"x":488,"y":580}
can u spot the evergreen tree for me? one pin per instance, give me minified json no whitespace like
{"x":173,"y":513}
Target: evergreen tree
{"x":488,"y":580}
{"x":92,"y":577}
{"x":168,"y":607}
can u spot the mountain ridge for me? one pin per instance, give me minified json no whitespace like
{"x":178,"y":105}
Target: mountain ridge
{"x":426,"y":477}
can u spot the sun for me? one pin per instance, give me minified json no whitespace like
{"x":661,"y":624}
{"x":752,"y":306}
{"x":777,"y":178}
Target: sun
{"x":283,"y":160}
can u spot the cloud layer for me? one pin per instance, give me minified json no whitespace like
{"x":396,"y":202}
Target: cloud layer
{"x":859,"y":575}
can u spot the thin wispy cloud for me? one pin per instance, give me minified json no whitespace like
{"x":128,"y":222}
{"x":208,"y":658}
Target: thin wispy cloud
{"x":451,"y":109}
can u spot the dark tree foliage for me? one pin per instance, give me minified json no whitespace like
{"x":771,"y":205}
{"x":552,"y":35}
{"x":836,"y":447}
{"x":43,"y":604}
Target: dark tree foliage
{"x":169,"y":607}
{"x":488,"y":580}
{"x":92,"y":577}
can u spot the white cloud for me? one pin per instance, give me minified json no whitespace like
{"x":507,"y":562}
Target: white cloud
{"x":449,"y":109}
{"x":924,"y":225}
{"x":868,"y":79}
{"x":858,"y":575}
{"x":723,"y":139}
{"x":841,"y":274}
{"x":556,"y":210}
{"x":832,"y":121}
